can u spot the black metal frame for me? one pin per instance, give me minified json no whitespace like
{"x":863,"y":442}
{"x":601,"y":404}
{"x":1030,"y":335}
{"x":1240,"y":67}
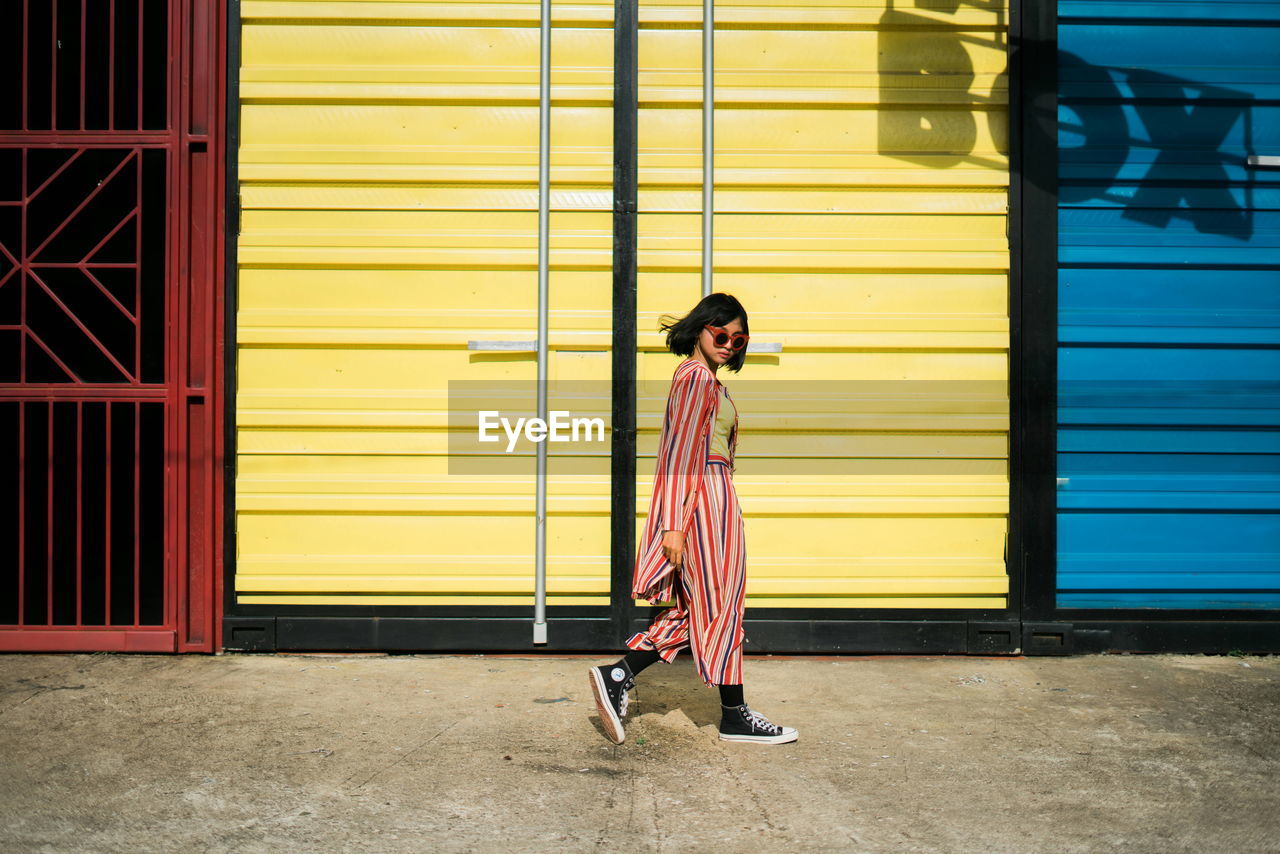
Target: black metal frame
{"x":1031,"y":623}
{"x":626,"y":179}
{"x":231,"y":232}
{"x":1033,"y":302}
{"x":403,"y":627}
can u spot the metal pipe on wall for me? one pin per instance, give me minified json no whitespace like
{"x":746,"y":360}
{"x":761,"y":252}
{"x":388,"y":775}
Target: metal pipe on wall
{"x":708,"y":159}
{"x":544,"y":228}
{"x":708,"y":138}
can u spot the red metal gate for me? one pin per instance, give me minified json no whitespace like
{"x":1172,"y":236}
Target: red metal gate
{"x":110,"y":368}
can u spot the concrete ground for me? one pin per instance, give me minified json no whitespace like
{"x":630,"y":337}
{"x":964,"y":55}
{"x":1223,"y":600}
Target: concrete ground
{"x":248,"y":753}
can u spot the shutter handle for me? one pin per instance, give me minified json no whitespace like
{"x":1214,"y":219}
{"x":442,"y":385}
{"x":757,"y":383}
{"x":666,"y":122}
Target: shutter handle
{"x":513,"y":346}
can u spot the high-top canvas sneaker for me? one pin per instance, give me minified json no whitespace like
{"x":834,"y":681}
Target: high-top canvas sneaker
{"x":739,"y":723}
{"x":610,"y":684}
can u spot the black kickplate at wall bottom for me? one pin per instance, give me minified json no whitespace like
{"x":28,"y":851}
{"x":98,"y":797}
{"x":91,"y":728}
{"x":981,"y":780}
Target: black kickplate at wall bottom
{"x":445,"y":634}
{"x":1210,"y":637}
{"x":912,"y":637}
{"x":799,"y":637}
{"x":413,"y":634}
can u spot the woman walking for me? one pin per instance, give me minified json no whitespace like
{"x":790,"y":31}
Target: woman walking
{"x":693,"y":549}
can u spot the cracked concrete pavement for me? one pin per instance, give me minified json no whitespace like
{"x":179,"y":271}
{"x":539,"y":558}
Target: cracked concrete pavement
{"x":391,"y":753}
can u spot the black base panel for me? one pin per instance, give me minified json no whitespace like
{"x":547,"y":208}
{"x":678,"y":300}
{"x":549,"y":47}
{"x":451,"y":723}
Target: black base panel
{"x":407,"y":634}
{"x":1216,"y":637}
{"x":465,"y":634}
{"x":799,"y":637}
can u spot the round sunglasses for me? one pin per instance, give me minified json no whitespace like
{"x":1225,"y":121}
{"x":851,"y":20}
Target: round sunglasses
{"x":721,"y":336}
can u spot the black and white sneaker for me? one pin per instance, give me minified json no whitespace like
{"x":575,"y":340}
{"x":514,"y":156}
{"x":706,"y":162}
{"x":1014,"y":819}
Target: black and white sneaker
{"x":610,"y":684}
{"x":739,"y":723}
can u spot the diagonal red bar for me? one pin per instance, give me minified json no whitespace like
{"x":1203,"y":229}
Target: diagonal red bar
{"x":93,"y":194}
{"x":110,"y":234}
{"x":56,"y":172}
{"x":48,"y":352}
{"x":71,"y":314}
{"x":106,"y":293}
{"x":17,"y":265}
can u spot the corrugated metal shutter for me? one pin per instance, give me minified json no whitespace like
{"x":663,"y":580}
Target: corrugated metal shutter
{"x":861,"y":171}
{"x":389,"y":180}
{"x":1169,"y":301}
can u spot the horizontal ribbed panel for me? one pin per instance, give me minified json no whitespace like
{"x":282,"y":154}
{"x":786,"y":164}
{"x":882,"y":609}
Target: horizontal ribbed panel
{"x":389,"y":169}
{"x":860,"y":219}
{"x":1231,"y":13}
{"x":1169,"y":306}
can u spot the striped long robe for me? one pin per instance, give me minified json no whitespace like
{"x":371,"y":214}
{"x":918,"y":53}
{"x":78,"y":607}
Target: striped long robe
{"x":685,"y":442}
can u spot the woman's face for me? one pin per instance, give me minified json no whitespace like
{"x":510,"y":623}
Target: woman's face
{"x":718,"y":355}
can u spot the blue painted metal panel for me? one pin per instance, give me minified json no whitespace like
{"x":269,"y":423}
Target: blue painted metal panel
{"x":1169,"y":305}
{"x":1153,"y":12}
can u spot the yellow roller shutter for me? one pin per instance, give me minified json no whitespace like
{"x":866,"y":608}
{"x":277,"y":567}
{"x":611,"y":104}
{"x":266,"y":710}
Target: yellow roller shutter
{"x":861,"y":182}
{"x":388,"y":175}
{"x":388,"y":169}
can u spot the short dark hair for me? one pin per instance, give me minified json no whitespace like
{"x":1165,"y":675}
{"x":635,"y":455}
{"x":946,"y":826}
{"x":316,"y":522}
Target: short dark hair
{"x":718,"y":309}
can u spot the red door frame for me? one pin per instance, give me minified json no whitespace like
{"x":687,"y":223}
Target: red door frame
{"x":194,"y":378}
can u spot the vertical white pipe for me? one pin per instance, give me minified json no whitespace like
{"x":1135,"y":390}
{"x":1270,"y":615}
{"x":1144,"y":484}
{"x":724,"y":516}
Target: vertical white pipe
{"x":708,"y":137}
{"x":544,"y":228}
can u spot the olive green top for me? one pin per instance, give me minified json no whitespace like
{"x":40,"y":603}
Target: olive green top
{"x":724,"y":424}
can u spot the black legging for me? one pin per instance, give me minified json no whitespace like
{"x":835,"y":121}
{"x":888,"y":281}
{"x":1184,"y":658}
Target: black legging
{"x":639,"y":659}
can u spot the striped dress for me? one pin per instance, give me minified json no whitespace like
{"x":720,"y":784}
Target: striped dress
{"x":708,"y":592}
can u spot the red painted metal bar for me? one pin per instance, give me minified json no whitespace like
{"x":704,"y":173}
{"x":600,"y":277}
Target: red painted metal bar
{"x":27,"y":197}
{"x":75,"y":265}
{"x":22,"y":230}
{"x":45,"y":347}
{"x":84,"y":203}
{"x":81,"y":326}
{"x":183,"y":106}
{"x":110,"y":234}
{"x":141,"y":75}
{"x":106,"y":500}
{"x":53,"y":67}
{"x":79,"y":512}
{"x":61,"y":639}
{"x":137,"y":528}
{"x":22,"y":512}
{"x":111,"y":65}
{"x":48,"y":526}
{"x":110,"y":296}
{"x":137,"y":273}
{"x":14,"y":269}
{"x":84,"y":54}
{"x":85,"y":391}
{"x":176,"y":306}
{"x":26,"y":63}
{"x":88,"y":139}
